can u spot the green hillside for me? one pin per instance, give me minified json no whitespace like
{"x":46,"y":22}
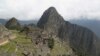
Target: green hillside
{"x":23,"y":45}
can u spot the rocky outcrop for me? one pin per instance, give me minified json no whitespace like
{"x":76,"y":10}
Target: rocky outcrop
{"x":3,"y":31}
{"x":13,"y":24}
{"x":51,"y":20}
{"x":80,"y":39}
{"x":4,"y":35}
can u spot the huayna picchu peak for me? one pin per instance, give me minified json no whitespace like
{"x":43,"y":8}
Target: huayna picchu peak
{"x":80,"y":38}
{"x":50,"y":19}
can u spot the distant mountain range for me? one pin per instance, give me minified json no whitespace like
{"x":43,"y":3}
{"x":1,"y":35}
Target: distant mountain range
{"x":2,"y":21}
{"x":22,"y":22}
{"x":92,"y":24}
{"x":28,"y":21}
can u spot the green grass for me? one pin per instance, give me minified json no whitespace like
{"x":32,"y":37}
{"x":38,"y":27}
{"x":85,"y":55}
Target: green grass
{"x":59,"y":48}
{"x":9,"y":47}
{"x":24,"y":43}
{"x":21,"y":41}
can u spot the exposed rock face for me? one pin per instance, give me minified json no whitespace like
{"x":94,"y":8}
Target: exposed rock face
{"x":79,"y":38}
{"x":4,"y":35}
{"x":13,"y":24}
{"x":3,"y":31}
{"x":51,"y":20}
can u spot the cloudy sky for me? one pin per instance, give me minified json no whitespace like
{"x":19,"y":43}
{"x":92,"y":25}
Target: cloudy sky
{"x":33,"y":9}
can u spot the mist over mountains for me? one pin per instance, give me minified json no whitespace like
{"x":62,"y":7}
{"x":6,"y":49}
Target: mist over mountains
{"x":92,"y":24}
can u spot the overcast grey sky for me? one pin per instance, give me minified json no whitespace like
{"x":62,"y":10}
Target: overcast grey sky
{"x":32,"y":9}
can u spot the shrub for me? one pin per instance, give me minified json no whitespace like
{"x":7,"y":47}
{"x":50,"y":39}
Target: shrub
{"x":51,"y":43}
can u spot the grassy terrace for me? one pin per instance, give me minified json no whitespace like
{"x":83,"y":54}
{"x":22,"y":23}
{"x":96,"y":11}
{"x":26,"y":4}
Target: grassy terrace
{"x":60,"y":48}
{"x":20,"y":44}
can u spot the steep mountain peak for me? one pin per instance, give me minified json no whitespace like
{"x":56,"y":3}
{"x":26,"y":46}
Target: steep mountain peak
{"x":13,"y":19}
{"x":51,"y":10}
{"x":13,"y":24}
{"x":50,"y":19}
{"x":79,"y":38}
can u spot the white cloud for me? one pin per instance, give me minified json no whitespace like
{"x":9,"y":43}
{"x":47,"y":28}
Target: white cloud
{"x":31,"y":9}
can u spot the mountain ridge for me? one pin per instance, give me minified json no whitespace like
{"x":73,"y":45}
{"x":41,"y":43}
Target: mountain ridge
{"x":69,"y":32}
{"x":91,"y":24}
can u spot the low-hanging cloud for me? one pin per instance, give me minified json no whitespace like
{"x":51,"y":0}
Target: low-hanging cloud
{"x":32,"y":9}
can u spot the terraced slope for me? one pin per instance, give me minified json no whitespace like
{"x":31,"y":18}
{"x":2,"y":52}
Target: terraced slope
{"x":23,"y":45}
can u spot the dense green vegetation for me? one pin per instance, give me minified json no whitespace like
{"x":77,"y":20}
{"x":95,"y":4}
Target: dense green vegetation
{"x":51,"y":43}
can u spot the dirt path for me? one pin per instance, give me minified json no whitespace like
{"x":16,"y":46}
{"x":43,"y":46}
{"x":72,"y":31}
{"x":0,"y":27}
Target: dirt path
{"x":4,"y":42}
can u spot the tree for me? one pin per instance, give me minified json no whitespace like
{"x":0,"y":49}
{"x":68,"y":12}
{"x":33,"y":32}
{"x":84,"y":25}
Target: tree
{"x":51,"y":43}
